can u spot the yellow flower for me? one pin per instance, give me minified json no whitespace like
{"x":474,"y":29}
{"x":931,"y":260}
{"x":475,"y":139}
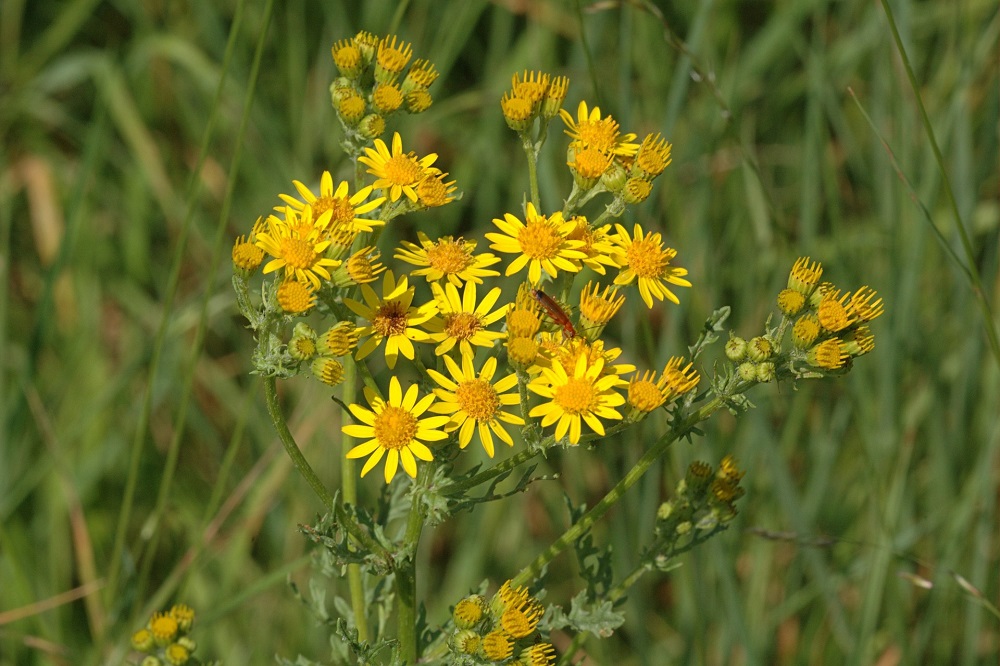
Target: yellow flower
{"x":461,"y":321}
{"x":396,"y":171}
{"x":645,"y":258}
{"x":391,"y":318}
{"x":447,"y":257}
{"x":386,"y":98}
{"x":347,"y":57}
{"x":597,"y":307}
{"x":184,"y":615}
{"x":433,"y":192}
{"x":496,"y":646}
{"x":523,"y":319}
{"x":518,"y":112}
{"x":473,"y":402}
{"x":541,"y":243}
{"x":539,"y":654}
{"x":653,"y":156}
{"x":585,"y":395}
{"x":598,"y":244}
{"x":247,"y":257}
{"x":394,"y":427}
{"x":362,"y":266}
{"x":391,"y":59}
{"x":163,"y":627}
{"x":531,"y":86}
{"x":296,"y":297}
{"x":589,"y":129}
{"x":297,"y":246}
{"x":805,"y":275}
{"x":346,"y":210}
{"x":420,"y":76}
{"x":646,"y":393}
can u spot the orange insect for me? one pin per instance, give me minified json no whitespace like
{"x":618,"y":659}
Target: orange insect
{"x":555,"y":312}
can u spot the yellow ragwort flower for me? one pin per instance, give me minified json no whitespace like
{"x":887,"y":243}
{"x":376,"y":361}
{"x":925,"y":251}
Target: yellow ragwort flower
{"x":653,"y":156}
{"x":163,"y":627}
{"x":447,"y":258}
{"x":296,"y":297}
{"x":496,"y":646}
{"x":523,"y":319}
{"x":598,"y":244}
{"x":518,"y":112}
{"x":646,"y":259}
{"x":387,"y":98}
{"x":831,"y":354}
{"x":805,"y":275}
{"x":394,"y":427}
{"x":460,"y":321}
{"x":397,"y":172}
{"x":604,"y":134}
{"x":391,"y":318}
{"x":347,"y":210}
{"x":433,"y":192}
{"x":541,"y":243}
{"x":347,"y":57}
{"x":646,"y":393}
{"x":531,"y":86}
{"x":597,"y":308}
{"x":473,"y":402}
{"x":247,"y":256}
{"x":390,"y":59}
{"x":297,"y":245}
{"x":585,"y":395}
{"x":539,"y":654}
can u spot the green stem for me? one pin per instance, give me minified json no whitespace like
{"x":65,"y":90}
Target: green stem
{"x":291,"y":448}
{"x":533,"y":570}
{"x":532,"y":154}
{"x":406,"y":581}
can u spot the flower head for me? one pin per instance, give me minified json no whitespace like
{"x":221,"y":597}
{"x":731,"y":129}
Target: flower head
{"x":541,"y":243}
{"x":247,"y":257}
{"x":295,"y":297}
{"x":433,"y":192}
{"x":598,"y":244}
{"x":297,"y":245}
{"x":447,"y":258}
{"x":604,"y":134}
{"x":394,"y":427}
{"x":392,"y":318}
{"x":653,"y":156}
{"x":580,"y":394}
{"x":397,"y":172}
{"x":644,"y":257}
{"x":461,"y":321}
{"x":646,"y":393}
{"x":346,"y":210}
{"x":474,"y":402}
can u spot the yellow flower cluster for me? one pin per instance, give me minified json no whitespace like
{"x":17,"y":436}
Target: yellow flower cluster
{"x":533,"y":95}
{"x":829,"y":328}
{"x":165,"y":638}
{"x":372,"y":87}
{"x":497,"y":629}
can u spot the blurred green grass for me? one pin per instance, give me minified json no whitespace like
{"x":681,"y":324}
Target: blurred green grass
{"x":102,"y":112}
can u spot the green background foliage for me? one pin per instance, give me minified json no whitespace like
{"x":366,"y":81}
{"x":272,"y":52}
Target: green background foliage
{"x":851,"y":483}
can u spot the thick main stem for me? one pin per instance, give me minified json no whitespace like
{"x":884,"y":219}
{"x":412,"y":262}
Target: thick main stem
{"x":406,"y":584}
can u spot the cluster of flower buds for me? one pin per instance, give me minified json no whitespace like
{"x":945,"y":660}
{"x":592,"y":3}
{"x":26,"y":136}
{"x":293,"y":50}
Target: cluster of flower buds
{"x":533,"y":95}
{"x":164,"y":639}
{"x":829,"y":328}
{"x":323,"y":352}
{"x":371,"y":86}
{"x":500,"y":630}
{"x":704,"y":499}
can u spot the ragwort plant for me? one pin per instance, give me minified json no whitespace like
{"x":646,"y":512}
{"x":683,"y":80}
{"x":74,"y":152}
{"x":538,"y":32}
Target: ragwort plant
{"x":526,"y":369}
